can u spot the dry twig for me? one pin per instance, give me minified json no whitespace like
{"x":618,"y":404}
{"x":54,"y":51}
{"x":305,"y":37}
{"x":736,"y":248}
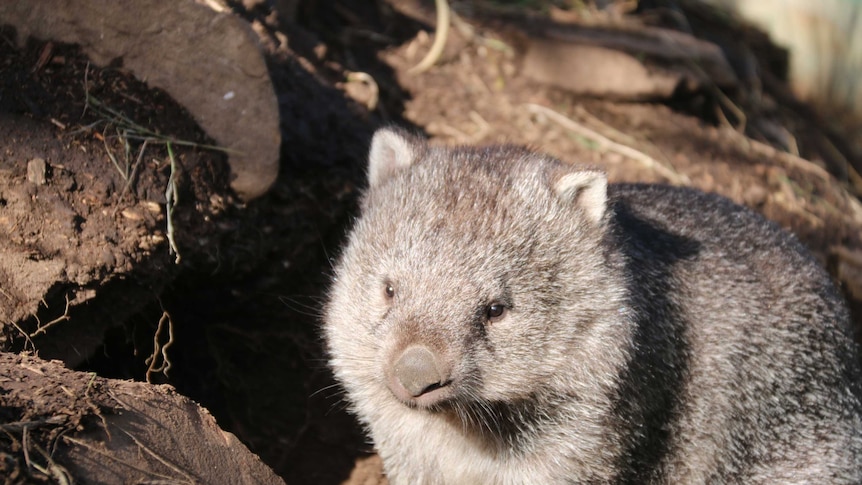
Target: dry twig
{"x":608,"y":144}
{"x":440,"y":35}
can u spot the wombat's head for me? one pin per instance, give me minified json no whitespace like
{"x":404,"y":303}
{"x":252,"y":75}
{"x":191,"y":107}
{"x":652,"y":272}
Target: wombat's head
{"x":473,"y":275}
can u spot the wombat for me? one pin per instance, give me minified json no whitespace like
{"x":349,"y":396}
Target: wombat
{"x":500,"y":316}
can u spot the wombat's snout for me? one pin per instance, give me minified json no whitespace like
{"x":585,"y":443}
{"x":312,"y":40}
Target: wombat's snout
{"x":418,"y":372}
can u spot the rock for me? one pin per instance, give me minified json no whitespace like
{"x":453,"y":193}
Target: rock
{"x":624,"y":63}
{"x":210,"y":62}
{"x":36,"y":171}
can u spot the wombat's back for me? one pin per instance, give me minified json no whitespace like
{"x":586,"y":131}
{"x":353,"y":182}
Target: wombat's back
{"x":767,"y":383}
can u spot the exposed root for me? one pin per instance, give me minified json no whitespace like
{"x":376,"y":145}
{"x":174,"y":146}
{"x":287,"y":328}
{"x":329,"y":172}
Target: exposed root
{"x":440,"y":35}
{"x":158,"y":349}
{"x":155,"y":455}
{"x":19,"y":426}
{"x":367,"y":80}
{"x":62,"y":318}
{"x":799,"y":163}
{"x":50,"y":468}
{"x":26,"y":335}
{"x":135,"y":166}
{"x":111,"y":457}
{"x":171,"y":200}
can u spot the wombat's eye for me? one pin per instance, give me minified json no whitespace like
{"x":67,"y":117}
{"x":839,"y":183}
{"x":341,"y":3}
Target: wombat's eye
{"x":496,"y":311}
{"x":389,"y":291}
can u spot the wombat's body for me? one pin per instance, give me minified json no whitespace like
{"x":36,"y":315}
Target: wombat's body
{"x":502,"y":317}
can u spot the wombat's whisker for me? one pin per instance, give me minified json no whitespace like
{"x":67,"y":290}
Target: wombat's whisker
{"x":327,"y":388}
{"x":295,"y":305}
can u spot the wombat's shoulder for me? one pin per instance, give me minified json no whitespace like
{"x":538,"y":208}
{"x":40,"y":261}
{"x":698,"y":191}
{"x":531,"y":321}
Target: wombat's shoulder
{"x":707,"y":219}
{"x":707,"y":242}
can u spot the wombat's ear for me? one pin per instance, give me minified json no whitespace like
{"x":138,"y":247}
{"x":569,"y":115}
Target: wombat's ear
{"x":391,"y":150}
{"x":588,"y":189}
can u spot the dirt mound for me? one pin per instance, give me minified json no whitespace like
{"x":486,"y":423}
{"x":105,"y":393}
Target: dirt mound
{"x":59,"y":425}
{"x":85,"y":191}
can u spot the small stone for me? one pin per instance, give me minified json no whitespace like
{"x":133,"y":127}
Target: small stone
{"x":131,"y":214}
{"x":37,"y":171}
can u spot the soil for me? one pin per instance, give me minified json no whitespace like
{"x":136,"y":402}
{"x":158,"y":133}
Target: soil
{"x":84,"y":190}
{"x":236,"y":319}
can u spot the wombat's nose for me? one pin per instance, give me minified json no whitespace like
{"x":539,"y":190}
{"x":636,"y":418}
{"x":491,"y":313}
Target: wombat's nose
{"x":417,"y":370}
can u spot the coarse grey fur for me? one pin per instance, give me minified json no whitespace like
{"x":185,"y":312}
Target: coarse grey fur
{"x":499,"y":316}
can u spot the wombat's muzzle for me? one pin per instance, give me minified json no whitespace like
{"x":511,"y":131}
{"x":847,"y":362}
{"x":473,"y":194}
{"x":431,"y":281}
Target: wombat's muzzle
{"x":418,"y":376}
